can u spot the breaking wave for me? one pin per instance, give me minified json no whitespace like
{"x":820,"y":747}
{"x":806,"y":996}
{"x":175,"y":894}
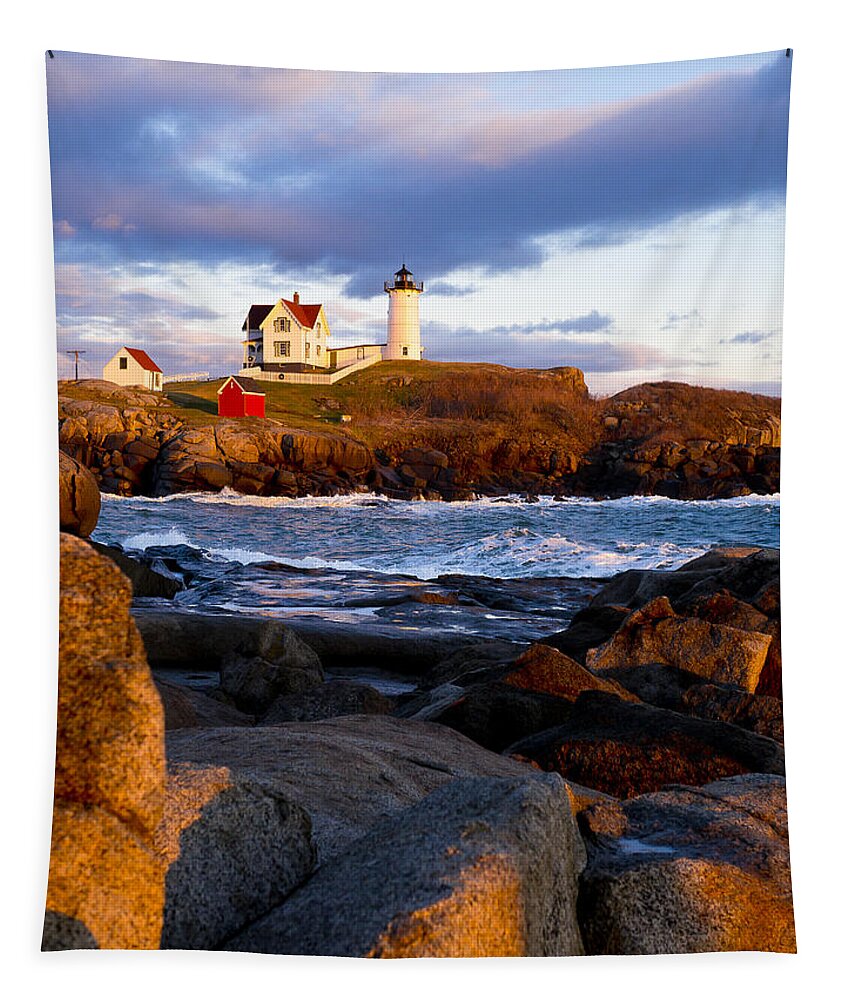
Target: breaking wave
{"x":507,"y":538}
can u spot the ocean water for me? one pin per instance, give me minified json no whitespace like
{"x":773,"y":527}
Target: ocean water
{"x":576,"y":537}
{"x":404,"y":567}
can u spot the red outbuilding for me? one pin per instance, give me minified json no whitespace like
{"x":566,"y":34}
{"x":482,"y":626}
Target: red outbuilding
{"x":241,"y":397}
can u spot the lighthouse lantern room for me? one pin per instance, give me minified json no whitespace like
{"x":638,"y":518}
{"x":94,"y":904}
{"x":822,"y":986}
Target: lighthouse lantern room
{"x":403,"y":318}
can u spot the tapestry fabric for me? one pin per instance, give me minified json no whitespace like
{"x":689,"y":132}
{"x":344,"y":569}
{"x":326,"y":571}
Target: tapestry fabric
{"x":419,"y":477}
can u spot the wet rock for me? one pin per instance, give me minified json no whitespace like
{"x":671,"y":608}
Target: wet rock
{"x":655,"y":634}
{"x":347,"y":773}
{"x":689,"y":870}
{"x":627,"y":749}
{"x":479,"y":868}
{"x":79,"y":497}
{"x":233,"y":850}
{"x":146,"y":581}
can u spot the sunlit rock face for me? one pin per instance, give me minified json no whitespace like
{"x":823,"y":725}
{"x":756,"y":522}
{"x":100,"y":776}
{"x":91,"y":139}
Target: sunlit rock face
{"x":484,"y":867}
{"x":689,"y":870}
{"x":110,"y":763}
{"x":79,"y":497}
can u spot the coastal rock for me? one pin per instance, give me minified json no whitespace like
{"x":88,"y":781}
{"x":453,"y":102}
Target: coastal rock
{"x":689,"y":870}
{"x":110,"y":729}
{"x":625,"y":749}
{"x":146,"y":581}
{"x":105,"y":876}
{"x":589,"y":627}
{"x":657,"y":684}
{"x":515,"y":699}
{"x":758,"y":713}
{"x":63,"y":933}
{"x":655,"y":634}
{"x":347,"y":773}
{"x":496,"y":715}
{"x":547,"y":671}
{"x":332,"y":699}
{"x":79,"y":497}
{"x":186,"y":708}
{"x":479,"y":868}
{"x":110,"y":763}
{"x":233,"y":851}
{"x":340,"y":644}
{"x":258,"y":658}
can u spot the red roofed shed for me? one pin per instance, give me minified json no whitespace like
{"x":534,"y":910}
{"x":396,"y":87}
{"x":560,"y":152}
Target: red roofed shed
{"x":240,"y":397}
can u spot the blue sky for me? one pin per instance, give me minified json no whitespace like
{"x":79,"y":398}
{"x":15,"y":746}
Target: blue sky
{"x":627,"y":220}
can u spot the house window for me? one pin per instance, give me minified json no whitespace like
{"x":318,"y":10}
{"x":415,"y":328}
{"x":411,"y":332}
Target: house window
{"x":318,"y":349}
{"x":307,"y":350}
{"x":282,"y":325}
{"x":404,"y":352}
{"x":122,"y":364}
{"x":282,"y":348}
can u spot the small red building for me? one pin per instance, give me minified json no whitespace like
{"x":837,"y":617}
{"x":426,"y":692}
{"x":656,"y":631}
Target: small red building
{"x":241,"y":397}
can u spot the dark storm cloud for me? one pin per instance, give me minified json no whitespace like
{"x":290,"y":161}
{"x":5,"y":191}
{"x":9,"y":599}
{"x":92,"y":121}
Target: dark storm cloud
{"x":346,"y":172}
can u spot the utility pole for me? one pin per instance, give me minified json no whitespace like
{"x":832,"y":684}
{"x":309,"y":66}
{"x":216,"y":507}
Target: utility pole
{"x":76,"y":363}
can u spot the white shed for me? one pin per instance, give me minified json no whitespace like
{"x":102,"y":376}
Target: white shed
{"x":132,"y":366}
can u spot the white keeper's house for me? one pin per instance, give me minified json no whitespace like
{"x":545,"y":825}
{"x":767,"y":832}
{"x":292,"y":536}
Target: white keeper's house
{"x":132,"y":366}
{"x":290,"y":340}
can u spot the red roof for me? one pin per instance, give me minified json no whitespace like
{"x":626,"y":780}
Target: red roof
{"x":306,"y":315}
{"x":143,"y":359}
{"x":247,"y":385}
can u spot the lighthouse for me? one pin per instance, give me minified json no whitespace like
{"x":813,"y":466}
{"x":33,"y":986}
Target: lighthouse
{"x":403,"y":318}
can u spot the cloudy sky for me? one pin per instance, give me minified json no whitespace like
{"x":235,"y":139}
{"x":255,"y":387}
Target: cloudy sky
{"x":625,"y":220}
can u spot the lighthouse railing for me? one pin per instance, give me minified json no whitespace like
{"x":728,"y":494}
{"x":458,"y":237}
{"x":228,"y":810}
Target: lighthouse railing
{"x":413,"y":286}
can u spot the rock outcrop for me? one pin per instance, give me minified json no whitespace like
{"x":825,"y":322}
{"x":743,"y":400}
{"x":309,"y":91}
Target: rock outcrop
{"x":258,"y":658}
{"x":497,"y":704}
{"x":689,"y":870}
{"x":347,"y":773}
{"x":492,"y":431}
{"x":331,"y":700}
{"x":79,"y":497}
{"x":656,"y":634}
{"x":479,"y":868}
{"x":110,"y":764}
{"x":233,"y":850}
{"x":187,"y":708}
{"x":625,"y":749}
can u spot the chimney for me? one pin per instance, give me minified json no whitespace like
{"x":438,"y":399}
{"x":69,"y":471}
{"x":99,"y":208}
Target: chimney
{"x":295,"y":297}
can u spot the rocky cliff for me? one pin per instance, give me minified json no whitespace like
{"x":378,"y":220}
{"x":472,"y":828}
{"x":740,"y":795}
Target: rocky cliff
{"x":435,"y":438}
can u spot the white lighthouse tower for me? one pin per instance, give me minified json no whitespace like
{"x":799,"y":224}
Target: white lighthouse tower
{"x":403,"y":318}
